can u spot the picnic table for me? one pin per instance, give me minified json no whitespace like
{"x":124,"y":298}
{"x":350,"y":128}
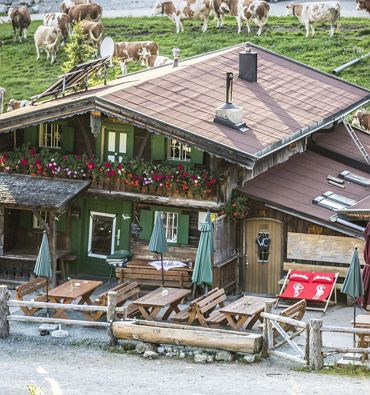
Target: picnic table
{"x":247,"y":307}
{"x":363,"y":321}
{"x":71,"y":291}
{"x":153,"y":302}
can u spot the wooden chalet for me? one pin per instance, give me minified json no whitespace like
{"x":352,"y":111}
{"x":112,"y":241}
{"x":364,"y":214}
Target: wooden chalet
{"x":150,"y":142}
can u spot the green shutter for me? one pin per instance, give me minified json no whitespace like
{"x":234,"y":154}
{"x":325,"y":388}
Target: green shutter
{"x":31,"y":136}
{"x":196,"y":156}
{"x":183,"y":231}
{"x":146,"y":223}
{"x":158,"y":147}
{"x":68,"y":139}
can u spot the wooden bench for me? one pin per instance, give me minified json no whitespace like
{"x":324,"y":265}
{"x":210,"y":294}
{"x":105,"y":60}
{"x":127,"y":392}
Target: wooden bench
{"x":206,"y":309}
{"x":147,"y":275}
{"x":28,"y":288}
{"x":125,"y":291}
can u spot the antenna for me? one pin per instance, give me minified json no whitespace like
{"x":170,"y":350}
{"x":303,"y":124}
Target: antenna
{"x":107,"y":47}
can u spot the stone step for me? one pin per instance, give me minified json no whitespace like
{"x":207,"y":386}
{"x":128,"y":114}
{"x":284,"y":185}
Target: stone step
{"x":352,"y":357}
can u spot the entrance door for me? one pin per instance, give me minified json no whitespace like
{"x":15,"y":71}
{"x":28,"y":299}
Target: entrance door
{"x":116,"y":143}
{"x":264,"y":256}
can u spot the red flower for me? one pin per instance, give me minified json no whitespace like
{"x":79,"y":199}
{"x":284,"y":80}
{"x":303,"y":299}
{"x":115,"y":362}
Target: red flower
{"x":119,"y":166}
{"x":186,"y":174}
{"x":108,"y":165}
{"x":180,"y":167}
{"x":23,"y":162}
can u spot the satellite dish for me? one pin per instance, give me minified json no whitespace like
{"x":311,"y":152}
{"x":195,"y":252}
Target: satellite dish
{"x":107,"y":47}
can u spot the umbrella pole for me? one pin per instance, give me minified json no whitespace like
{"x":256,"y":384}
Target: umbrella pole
{"x":162,"y":270}
{"x":354,"y":323}
{"x":47,"y":296}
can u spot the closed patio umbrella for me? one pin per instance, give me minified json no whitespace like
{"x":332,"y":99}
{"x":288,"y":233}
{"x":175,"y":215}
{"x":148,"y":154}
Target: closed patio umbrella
{"x":202,"y":274}
{"x":43,"y":263}
{"x":352,"y":284}
{"x":366,"y":272}
{"x":158,"y":241}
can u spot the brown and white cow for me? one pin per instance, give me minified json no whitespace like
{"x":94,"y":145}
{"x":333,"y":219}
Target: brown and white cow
{"x":127,"y":52}
{"x":48,"y":39}
{"x":363,"y":118}
{"x":92,"y":12}
{"x":177,"y":11}
{"x":308,"y":13}
{"x":15,"y":104}
{"x":363,"y":5}
{"x":20,"y":19}
{"x":67,"y":4}
{"x":94,"y":33}
{"x":60,"y":20}
{"x":158,"y":60}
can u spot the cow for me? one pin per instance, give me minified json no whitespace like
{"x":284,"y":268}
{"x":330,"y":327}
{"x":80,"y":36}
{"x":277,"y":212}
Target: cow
{"x":363,"y":5}
{"x":94,"y":33}
{"x":60,"y":20}
{"x":363,"y":118}
{"x":48,"y":39}
{"x":127,"y":52}
{"x":92,"y":12}
{"x":20,"y":19}
{"x":67,"y":4}
{"x":158,"y":60}
{"x":15,"y":104}
{"x":185,"y":9}
{"x":308,"y":13}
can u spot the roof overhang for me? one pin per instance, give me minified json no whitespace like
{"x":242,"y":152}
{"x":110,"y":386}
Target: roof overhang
{"x":25,"y":192}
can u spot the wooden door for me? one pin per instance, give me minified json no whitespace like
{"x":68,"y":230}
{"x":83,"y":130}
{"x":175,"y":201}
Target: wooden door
{"x":116,"y":143}
{"x":264,"y":256}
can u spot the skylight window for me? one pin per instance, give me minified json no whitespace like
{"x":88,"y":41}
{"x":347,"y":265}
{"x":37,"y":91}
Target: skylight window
{"x":339,"y":199}
{"x":327,"y":203}
{"x":348,"y":176}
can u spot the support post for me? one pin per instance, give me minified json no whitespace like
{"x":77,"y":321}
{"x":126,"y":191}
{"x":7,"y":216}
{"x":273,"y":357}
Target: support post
{"x":53,"y":248}
{"x":4,"y":311}
{"x":315,"y":338}
{"x":111,"y":315}
{"x":267,"y":339}
{"x":2,"y":230}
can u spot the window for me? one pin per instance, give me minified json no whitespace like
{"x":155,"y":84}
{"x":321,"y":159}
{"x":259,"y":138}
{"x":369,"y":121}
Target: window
{"x":116,"y":145}
{"x":170,"y":224}
{"x":50,"y":136}
{"x":101,"y":234}
{"x":263,"y":246}
{"x":36,"y":223}
{"x":178,"y":151}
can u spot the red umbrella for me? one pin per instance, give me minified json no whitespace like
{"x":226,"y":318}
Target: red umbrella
{"x":366,"y":271}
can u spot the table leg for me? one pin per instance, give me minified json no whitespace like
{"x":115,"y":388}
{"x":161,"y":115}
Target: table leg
{"x":62,"y":313}
{"x":85,"y":299}
{"x":144,"y":312}
{"x":154,"y":312}
{"x":173,"y":307}
{"x":230,"y":320}
{"x":253,"y":320}
{"x":62,"y":268}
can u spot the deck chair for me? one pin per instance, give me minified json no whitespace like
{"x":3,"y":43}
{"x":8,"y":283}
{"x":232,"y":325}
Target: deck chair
{"x":314,"y":287}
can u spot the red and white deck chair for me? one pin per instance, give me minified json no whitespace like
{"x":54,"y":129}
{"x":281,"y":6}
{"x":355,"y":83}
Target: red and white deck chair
{"x":315,"y":287}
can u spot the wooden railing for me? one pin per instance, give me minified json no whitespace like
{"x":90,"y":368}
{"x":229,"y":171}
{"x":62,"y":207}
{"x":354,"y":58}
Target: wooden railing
{"x":225,"y":274}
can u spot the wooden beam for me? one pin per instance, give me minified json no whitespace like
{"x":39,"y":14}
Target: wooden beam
{"x":25,"y":318}
{"x":53,"y":248}
{"x":4,"y":311}
{"x":142,"y":146}
{"x":2,"y":230}
{"x":45,"y":226}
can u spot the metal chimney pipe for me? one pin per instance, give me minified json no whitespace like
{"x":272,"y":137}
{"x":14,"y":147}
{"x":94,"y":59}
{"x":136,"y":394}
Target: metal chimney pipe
{"x":229,"y":87}
{"x":248,"y":65}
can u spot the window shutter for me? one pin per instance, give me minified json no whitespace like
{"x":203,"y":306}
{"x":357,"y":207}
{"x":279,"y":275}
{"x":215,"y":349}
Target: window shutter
{"x":183,"y":231}
{"x":196,"y":156}
{"x":146,"y":223}
{"x":158,"y":147}
{"x":31,"y":136}
{"x":68,"y":139}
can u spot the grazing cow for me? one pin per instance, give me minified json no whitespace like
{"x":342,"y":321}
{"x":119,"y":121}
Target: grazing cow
{"x":127,"y":52}
{"x":60,"y":20}
{"x":15,"y":104}
{"x":20,"y":19}
{"x":92,"y":12}
{"x":363,"y":119}
{"x":67,"y":4}
{"x":308,"y":13}
{"x":185,"y":9}
{"x":363,"y":5}
{"x":48,"y":39}
{"x":2,"y":94}
{"x":94,"y":32}
{"x":157,"y":60}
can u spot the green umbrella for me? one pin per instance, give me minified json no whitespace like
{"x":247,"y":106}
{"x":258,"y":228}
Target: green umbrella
{"x":202,"y":274}
{"x":352,"y":284}
{"x":158,"y":241}
{"x":43,"y":263}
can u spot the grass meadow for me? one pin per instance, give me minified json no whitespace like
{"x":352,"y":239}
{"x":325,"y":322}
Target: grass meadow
{"x":22,"y":76}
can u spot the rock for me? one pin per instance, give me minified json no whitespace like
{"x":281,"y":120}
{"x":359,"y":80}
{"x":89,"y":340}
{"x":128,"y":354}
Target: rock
{"x":142,"y":347}
{"x":224,"y":356}
{"x":200,"y":358}
{"x":210,"y":358}
{"x":150,"y":355}
{"x":249,"y":358}
{"x":161,"y":350}
{"x":171,"y":354}
{"x":182,"y":354}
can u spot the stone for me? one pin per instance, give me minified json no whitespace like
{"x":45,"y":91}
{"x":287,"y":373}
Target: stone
{"x":161,"y":350}
{"x":150,"y":355}
{"x":224,"y":356}
{"x":249,"y":358}
{"x":200,"y":358}
{"x":142,"y":347}
{"x":35,"y":9}
{"x":182,"y":354}
{"x":210,"y":358}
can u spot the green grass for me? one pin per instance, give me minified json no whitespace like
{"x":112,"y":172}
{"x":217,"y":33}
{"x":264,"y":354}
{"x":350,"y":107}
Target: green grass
{"x":23,"y":77}
{"x":351,"y":371}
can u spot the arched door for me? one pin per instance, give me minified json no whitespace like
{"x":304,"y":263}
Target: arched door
{"x":264,"y":256}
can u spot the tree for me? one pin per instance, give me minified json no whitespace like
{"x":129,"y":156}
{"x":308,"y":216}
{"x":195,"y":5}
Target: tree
{"x":77,"y":49}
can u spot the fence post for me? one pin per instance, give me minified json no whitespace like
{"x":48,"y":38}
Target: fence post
{"x":4,"y":311}
{"x":111,"y":316}
{"x":315,"y":338}
{"x":267,"y":331}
